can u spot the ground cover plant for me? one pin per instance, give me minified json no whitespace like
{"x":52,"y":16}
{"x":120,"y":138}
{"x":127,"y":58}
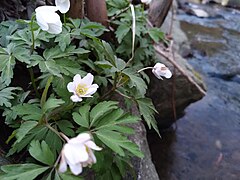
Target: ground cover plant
{"x":58,"y":78}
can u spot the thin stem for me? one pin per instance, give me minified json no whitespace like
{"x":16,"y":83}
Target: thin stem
{"x":64,"y":136}
{"x":144,"y":69}
{"x":32,"y":33}
{"x":33,"y":82}
{"x":124,"y":95}
{"x":64,"y":19}
{"x":54,"y":130}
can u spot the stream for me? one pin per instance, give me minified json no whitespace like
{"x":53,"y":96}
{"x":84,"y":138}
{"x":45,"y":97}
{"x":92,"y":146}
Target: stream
{"x":206,"y":142}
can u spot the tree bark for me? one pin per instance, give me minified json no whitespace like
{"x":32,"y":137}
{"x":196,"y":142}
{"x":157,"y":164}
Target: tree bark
{"x":158,"y":11}
{"x":76,"y":9}
{"x":97,"y":11}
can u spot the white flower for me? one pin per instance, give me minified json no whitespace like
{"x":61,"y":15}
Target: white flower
{"x":78,"y":153}
{"x":48,"y":19}
{"x":161,"y":70}
{"x":146,"y":1}
{"x":63,"y":5}
{"x":82,"y":87}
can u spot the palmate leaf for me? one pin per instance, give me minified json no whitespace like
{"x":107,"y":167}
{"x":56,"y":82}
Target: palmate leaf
{"x":28,"y":111}
{"x":24,"y":129}
{"x":51,"y":104}
{"x":22,"y":171}
{"x":122,"y":31}
{"x":101,"y":109}
{"x":6,"y":94}
{"x":136,"y":81}
{"x":117,"y":142}
{"x":7,"y":63}
{"x":82,"y":118}
{"x":41,"y":152}
{"x":147,"y":110}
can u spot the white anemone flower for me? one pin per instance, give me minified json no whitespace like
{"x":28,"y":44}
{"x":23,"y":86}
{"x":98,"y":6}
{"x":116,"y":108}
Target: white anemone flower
{"x":82,"y":87}
{"x":62,"y":5}
{"x":160,"y":70}
{"x":48,"y":19}
{"x":146,"y":1}
{"x":78,"y":153}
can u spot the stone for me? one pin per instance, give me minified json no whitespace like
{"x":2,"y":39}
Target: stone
{"x":161,"y":92}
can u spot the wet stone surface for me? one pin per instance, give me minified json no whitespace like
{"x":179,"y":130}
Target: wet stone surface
{"x":206,"y":143}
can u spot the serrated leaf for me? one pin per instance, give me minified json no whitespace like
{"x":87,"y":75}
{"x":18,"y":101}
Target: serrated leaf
{"x":118,"y":142}
{"x":28,"y":111}
{"x":6,"y":95}
{"x":156,"y":34}
{"x":147,"y":110}
{"x":7,"y":64}
{"x":24,"y":129}
{"x":136,"y":81}
{"x":50,"y":66}
{"x":121,"y":32}
{"x":63,"y":40}
{"x":51,"y":104}
{"x":101,"y":109}
{"x":41,"y":152}
{"x":22,"y":171}
{"x":82,"y":118}
{"x":109,"y":53}
{"x":66,"y":127}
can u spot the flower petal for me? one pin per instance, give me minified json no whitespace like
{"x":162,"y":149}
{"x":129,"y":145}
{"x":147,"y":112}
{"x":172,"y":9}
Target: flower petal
{"x":62,"y":5}
{"x":88,"y":79}
{"x":71,"y":87}
{"x":75,"y":98}
{"x":83,"y":137}
{"x":75,"y":153}
{"x":76,"y":169}
{"x":63,"y":164}
{"x":92,"y":89}
{"x":168,"y":74}
{"x":77,"y":79}
{"x":92,"y":145}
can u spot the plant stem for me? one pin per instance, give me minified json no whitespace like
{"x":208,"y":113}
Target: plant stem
{"x":32,"y":33}
{"x":33,"y":82}
{"x":64,"y":19}
{"x":144,"y":69}
{"x":54,"y":130}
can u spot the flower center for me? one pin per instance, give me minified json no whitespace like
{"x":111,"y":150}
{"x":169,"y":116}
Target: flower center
{"x":81,"y":89}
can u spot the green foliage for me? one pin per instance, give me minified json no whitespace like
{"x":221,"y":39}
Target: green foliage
{"x":41,"y":110}
{"x":42,"y":152}
{"x":22,"y":171}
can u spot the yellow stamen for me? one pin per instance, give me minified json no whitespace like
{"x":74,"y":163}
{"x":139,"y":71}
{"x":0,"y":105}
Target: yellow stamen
{"x":81,"y":89}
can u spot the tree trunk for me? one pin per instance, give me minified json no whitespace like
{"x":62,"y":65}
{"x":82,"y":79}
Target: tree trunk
{"x":97,"y":11}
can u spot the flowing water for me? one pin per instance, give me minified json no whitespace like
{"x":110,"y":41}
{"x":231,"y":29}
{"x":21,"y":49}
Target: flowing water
{"x":206,"y":143}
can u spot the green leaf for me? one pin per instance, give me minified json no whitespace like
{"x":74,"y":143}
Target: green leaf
{"x":136,"y":81}
{"x":82,"y":118}
{"x":28,"y":111}
{"x":156,"y":34}
{"x":109,"y":53}
{"x":51,"y":104}
{"x":6,"y":95}
{"x":7,"y":63}
{"x":118,"y":142}
{"x":66,"y":127}
{"x":121,"y":32}
{"x":101,"y":109}
{"x":147,"y":110}
{"x":41,"y":152}
{"x":22,"y":171}
{"x":68,"y":176}
{"x":24,"y":129}
{"x":63,"y":40}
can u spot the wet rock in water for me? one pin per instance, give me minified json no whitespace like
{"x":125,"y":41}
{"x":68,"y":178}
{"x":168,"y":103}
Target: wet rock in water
{"x":185,"y":92}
